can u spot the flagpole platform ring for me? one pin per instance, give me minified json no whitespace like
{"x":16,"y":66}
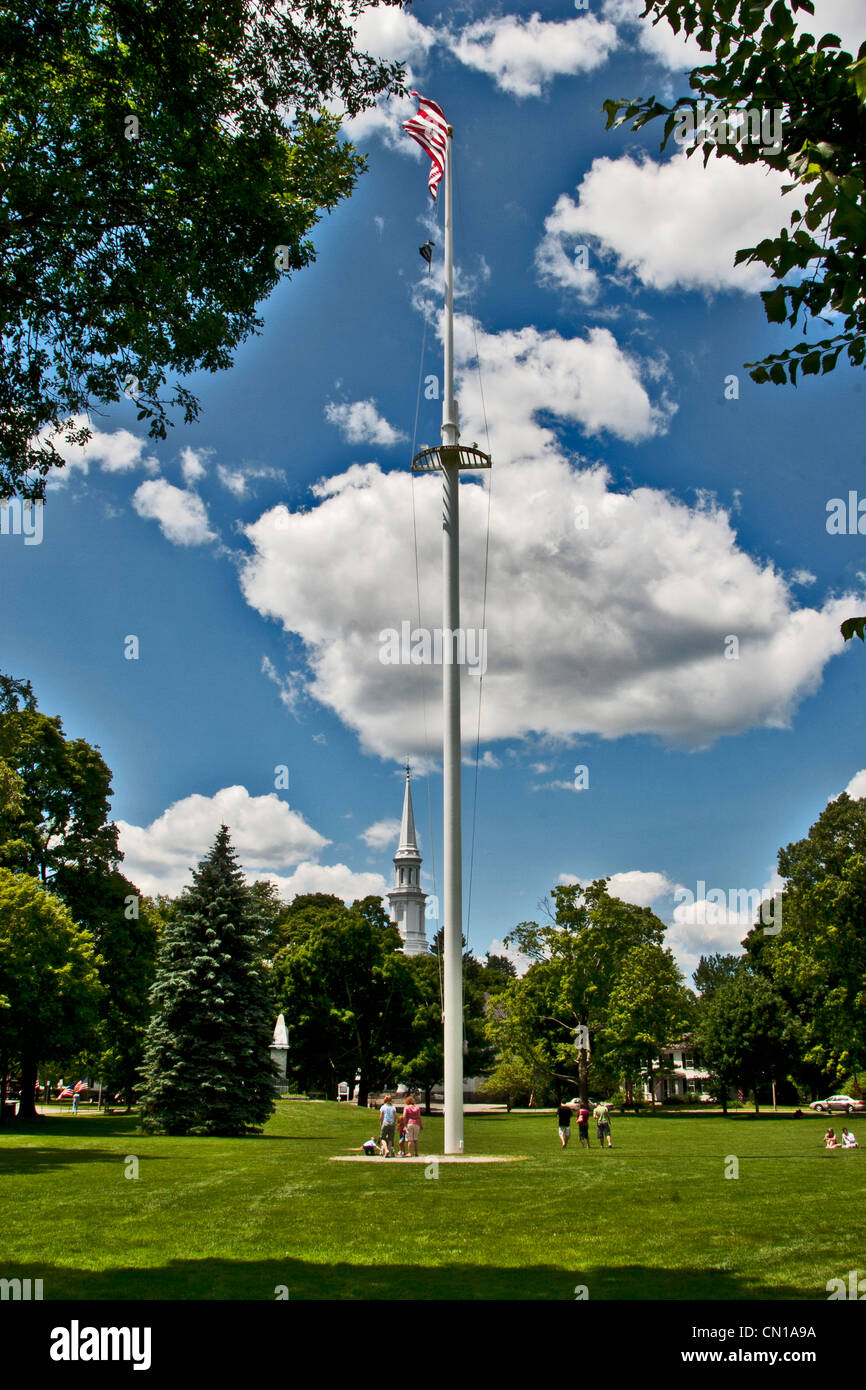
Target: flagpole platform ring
{"x":447,"y":455}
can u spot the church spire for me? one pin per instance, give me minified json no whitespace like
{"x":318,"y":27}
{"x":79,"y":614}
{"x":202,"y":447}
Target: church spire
{"x":407,"y":898}
{"x":408,"y":840}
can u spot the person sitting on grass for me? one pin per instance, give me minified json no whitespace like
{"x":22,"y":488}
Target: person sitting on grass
{"x":370,"y":1148}
{"x":848,"y":1140}
{"x":830,"y":1140}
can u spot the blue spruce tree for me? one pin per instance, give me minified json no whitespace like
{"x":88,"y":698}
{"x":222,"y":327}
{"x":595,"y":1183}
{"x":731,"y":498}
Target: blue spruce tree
{"x":207,"y":1068}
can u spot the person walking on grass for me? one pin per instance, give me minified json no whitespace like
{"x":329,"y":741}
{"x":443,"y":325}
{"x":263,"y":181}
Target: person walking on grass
{"x":412,"y":1121}
{"x":583,"y":1124}
{"x":386,"y":1134}
{"x":601,"y":1115}
{"x":563,"y":1120}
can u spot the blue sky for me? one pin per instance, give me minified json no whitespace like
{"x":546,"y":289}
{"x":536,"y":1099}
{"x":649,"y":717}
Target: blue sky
{"x":258,"y":555}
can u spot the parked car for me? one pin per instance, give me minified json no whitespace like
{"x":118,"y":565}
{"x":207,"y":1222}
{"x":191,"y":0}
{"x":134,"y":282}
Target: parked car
{"x":846,"y":1105}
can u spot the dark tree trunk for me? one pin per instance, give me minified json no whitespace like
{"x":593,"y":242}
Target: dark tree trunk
{"x":4,"y":1085}
{"x":724,"y":1100}
{"x":583,"y":1072}
{"x":27,"y":1104}
{"x":363,"y":1089}
{"x":428,"y":1092}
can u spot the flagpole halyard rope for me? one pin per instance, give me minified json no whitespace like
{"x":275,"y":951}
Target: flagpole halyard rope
{"x":486,"y":565}
{"x":418,"y":601}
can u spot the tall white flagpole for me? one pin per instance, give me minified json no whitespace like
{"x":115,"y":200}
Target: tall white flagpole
{"x":450,"y":457}
{"x":451,"y":742}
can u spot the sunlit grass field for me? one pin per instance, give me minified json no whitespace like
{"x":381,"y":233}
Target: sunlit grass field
{"x":257,"y":1218}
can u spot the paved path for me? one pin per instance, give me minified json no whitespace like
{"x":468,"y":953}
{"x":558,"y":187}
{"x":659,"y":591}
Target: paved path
{"x":431,"y":1158}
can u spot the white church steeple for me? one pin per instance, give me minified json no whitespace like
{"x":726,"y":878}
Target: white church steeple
{"x":407,"y":898}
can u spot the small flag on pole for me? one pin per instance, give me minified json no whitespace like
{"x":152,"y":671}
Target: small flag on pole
{"x":430,"y":128}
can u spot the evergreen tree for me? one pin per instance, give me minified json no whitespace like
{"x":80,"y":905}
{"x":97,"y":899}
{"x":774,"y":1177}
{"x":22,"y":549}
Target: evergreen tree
{"x":207,"y":1067}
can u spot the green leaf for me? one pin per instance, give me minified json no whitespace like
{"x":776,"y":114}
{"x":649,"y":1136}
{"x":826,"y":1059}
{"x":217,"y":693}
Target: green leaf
{"x":858,"y":76}
{"x":854,"y":627}
{"x":775,"y":304}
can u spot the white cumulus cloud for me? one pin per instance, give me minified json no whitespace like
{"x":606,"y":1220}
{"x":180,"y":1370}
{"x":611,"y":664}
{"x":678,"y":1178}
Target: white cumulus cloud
{"x":193,"y":464}
{"x":393,"y":35}
{"x":524,"y":55}
{"x":182,"y":516}
{"x":856,"y":788}
{"x":360,"y":423}
{"x":530,"y":375}
{"x":673,"y":225}
{"x":714,"y":919}
{"x":338,"y":879}
{"x":381,"y":834}
{"x":615,"y":628}
{"x":115,"y":451}
{"x":266,"y":833}
{"x":658,"y":41}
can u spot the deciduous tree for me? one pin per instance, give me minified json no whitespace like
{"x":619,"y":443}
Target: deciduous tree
{"x":162,"y":165}
{"x":49,"y":980}
{"x":760,"y":58}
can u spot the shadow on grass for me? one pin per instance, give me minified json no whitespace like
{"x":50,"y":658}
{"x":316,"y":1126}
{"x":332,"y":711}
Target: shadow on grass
{"x":259,"y":1280}
{"x":123,"y":1127}
{"x":51,"y":1126}
{"x":35,"y":1161}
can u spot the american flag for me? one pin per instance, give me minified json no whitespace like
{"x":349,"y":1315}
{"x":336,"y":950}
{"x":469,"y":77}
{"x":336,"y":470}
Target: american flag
{"x":430,"y":128}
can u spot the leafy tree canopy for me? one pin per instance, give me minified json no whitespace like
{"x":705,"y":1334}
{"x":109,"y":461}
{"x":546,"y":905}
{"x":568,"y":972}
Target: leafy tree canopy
{"x":48,"y":978}
{"x":162,"y":167}
{"x":747,"y":1034}
{"x":715,"y":970}
{"x":344,"y":987}
{"x":758,"y":58}
{"x":818,"y":959}
{"x":55,"y":812}
{"x":578,"y":957}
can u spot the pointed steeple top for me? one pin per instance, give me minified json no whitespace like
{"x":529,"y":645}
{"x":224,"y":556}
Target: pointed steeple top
{"x":408,"y":842}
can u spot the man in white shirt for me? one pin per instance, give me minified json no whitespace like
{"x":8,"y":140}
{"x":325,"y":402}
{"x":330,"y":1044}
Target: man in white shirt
{"x":848,"y":1140}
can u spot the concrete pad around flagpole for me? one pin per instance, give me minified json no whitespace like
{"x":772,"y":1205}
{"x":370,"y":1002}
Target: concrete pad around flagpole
{"x":429,"y":1158}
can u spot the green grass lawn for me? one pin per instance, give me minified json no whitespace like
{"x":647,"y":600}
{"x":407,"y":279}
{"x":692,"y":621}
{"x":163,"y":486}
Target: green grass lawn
{"x":655,"y":1217}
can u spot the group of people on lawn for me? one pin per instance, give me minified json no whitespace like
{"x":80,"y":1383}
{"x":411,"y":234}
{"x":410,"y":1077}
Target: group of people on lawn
{"x":407,"y":1124}
{"x":601,"y":1115}
{"x":847,"y":1140}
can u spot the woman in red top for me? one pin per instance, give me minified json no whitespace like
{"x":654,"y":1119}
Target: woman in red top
{"x":412,"y":1121}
